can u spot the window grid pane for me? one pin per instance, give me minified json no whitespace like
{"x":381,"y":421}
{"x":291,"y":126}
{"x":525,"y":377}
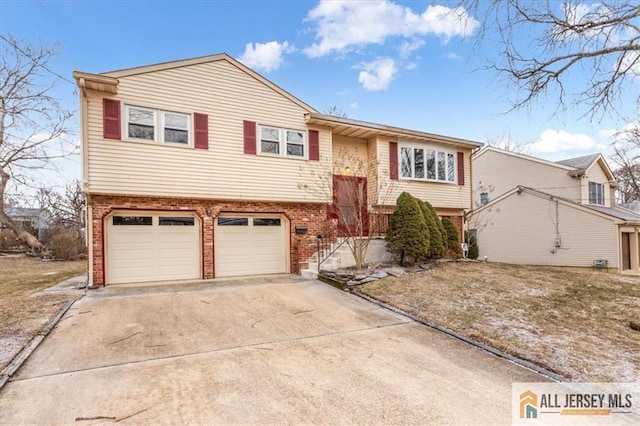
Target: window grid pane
{"x":174,"y":121}
{"x":419,"y":163}
{"x":141,"y":116}
{"x":441,"y":166}
{"x":407,"y":166}
{"x":233,"y":221}
{"x":133,"y":220}
{"x":178,"y":136}
{"x":295,"y":150}
{"x":431,"y":165}
{"x":270,"y":134}
{"x":140,"y":131}
{"x":450,"y":168}
{"x":269,"y":147}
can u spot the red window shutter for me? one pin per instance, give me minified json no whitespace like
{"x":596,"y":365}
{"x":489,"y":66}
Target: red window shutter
{"x":201,"y":131}
{"x":111,"y":119}
{"x":314,"y":145}
{"x":460,"y":168}
{"x":249,"y":137}
{"x":393,"y":160}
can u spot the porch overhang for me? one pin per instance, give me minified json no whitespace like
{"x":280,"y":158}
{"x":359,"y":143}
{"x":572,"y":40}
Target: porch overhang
{"x":365,"y":130}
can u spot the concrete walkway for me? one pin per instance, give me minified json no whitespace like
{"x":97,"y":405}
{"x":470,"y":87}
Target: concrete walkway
{"x":281,"y":350}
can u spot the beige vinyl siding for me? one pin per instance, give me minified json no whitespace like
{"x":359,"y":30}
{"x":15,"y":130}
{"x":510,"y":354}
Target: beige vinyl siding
{"x":497,"y":173}
{"x":596,"y":174}
{"x":228,"y":96}
{"x":374,"y":192}
{"x":351,"y":153}
{"x":439,"y":194}
{"x":521,"y":229}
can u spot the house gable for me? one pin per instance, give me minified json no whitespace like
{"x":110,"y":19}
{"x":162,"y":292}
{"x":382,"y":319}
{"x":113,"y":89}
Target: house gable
{"x":495,"y":172}
{"x":525,"y":226}
{"x":216,"y":95}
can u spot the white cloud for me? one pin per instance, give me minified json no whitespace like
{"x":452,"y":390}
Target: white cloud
{"x":265,"y":56}
{"x":452,"y":55}
{"x":558,"y":141}
{"x":408,"y":47}
{"x":354,"y":105}
{"x":341,"y":25}
{"x":376,"y":75}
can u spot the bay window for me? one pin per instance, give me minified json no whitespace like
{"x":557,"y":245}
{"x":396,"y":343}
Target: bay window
{"x":427,"y":164}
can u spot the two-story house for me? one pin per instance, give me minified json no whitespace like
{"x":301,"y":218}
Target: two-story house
{"x":532,"y":211}
{"x":201,"y":168}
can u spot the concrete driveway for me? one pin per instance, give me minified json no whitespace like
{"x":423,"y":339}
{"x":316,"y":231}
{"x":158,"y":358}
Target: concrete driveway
{"x":280,"y":350}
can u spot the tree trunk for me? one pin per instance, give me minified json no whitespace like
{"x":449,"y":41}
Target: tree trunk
{"x":24,"y":236}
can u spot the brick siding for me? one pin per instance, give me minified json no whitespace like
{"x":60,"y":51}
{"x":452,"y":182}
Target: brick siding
{"x":312,"y":216}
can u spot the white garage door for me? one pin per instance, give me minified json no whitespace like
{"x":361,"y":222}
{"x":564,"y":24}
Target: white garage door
{"x":152,"y":247}
{"x":250,"y":245}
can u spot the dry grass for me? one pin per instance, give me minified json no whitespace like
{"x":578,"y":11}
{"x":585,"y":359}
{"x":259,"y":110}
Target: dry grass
{"x":573,"y":321}
{"x":23,"y":310}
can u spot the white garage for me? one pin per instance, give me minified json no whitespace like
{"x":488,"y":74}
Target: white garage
{"x":152,"y":247}
{"x":250,"y":245}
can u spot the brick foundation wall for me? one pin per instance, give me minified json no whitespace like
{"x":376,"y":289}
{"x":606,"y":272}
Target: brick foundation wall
{"x":457,"y":221}
{"x":311,"y":216}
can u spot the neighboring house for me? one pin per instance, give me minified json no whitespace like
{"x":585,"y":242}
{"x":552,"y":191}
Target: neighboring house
{"x":634,"y":206}
{"x":34,"y":221}
{"x":200,"y":168}
{"x":538,"y":212}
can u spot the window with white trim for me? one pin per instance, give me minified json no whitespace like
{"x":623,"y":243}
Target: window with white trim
{"x":596,"y":193}
{"x":147,"y":124}
{"x":427,"y":164}
{"x":283,"y":142}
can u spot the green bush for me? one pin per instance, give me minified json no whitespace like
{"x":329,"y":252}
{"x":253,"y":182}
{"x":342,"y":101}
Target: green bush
{"x":453,"y":245}
{"x":472,"y":243}
{"x":407,"y":234}
{"x":437,"y":246}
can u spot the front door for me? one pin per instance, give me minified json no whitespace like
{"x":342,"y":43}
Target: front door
{"x":350,"y":205}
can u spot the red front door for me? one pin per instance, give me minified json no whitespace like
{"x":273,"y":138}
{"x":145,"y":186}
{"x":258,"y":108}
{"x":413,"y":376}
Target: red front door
{"x":350,"y":205}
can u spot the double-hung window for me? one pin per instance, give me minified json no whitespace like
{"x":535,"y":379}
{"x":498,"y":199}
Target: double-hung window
{"x":427,"y":164}
{"x":284,"y":142}
{"x":153,"y":125}
{"x":596,"y":193}
{"x":141,"y":123}
{"x":176,"y":127}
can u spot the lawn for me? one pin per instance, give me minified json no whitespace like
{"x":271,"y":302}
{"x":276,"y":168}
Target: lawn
{"x":24,"y":309}
{"x":575,"y":322}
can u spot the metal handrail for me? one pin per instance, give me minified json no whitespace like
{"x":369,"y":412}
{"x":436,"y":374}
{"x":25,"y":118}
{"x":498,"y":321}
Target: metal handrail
{"x":322,"y":247}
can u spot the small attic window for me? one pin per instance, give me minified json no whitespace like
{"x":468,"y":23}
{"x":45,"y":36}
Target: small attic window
{"x":596,"y":193}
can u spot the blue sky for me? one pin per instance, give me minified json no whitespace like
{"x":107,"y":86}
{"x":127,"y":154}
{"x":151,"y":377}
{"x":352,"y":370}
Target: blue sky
{"x":402,"y":63}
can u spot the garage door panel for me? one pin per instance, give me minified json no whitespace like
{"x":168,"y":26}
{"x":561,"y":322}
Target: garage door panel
{"x":250,"y":249}
{"x":153,"y":252}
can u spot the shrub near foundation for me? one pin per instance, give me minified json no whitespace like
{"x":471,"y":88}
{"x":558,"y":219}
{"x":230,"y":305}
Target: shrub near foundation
{"x":453,"y":246}
{"x":408,"y":236}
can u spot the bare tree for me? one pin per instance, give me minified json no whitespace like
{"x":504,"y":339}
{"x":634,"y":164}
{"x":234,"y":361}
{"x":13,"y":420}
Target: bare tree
{"x":626,"y":158}
{"x":336,"y":111}
{"x":65,"y":210}
{"x":506,"y":141}
{"x":543,"y":43}
{"x":345,"y":183}
{"x":32,"y":122}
